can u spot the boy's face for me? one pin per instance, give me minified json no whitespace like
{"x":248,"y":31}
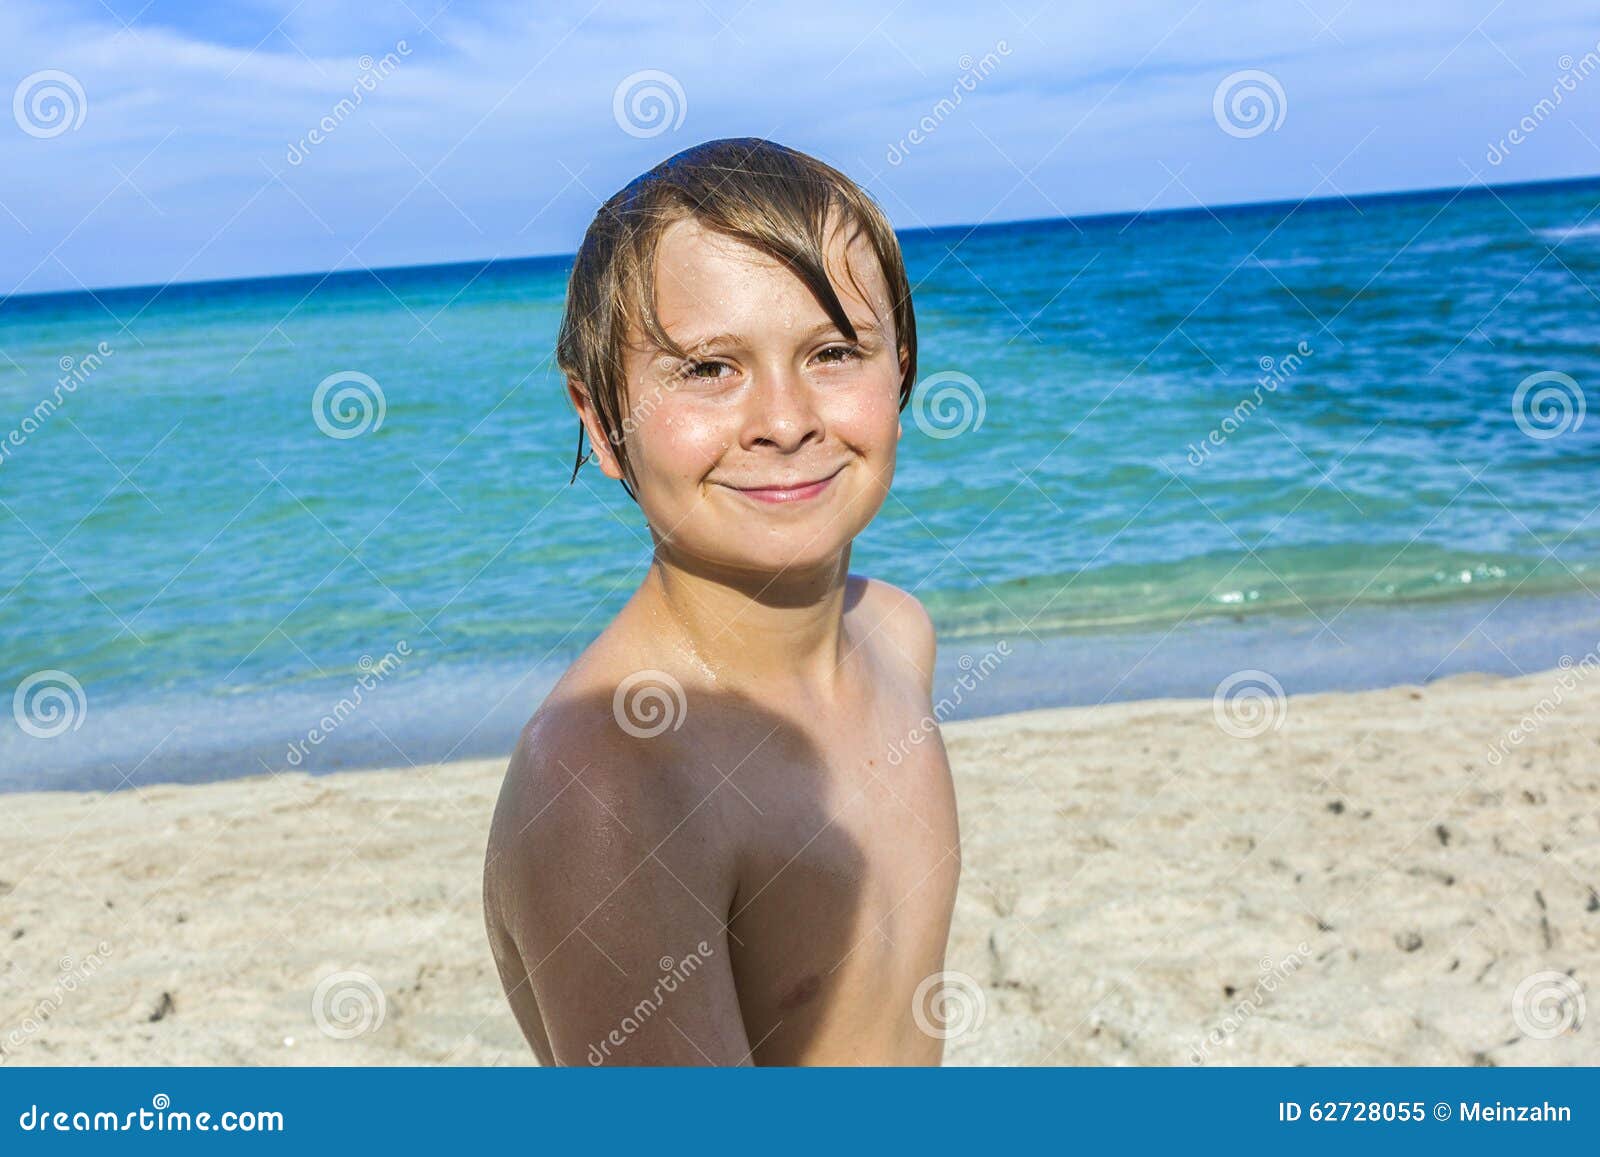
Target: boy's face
{"x":773,"y":396}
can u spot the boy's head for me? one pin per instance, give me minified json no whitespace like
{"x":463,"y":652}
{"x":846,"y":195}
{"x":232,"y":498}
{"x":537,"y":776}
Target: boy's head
{"x":739,"y":318}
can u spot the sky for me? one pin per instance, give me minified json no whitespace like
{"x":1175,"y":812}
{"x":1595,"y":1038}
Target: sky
{"x":158,"y":142}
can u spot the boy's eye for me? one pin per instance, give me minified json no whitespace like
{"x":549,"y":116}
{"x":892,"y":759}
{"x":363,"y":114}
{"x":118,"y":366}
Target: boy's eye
{"x":839,"y":354}
{"x":706,"y":371}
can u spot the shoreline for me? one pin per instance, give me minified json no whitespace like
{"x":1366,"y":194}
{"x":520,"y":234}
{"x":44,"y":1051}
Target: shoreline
{"x":1356,"y":883}
{"x":447,"y":714}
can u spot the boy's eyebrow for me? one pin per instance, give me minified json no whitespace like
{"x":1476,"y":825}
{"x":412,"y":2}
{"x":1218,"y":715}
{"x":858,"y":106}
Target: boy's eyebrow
{"x":815,"y":331}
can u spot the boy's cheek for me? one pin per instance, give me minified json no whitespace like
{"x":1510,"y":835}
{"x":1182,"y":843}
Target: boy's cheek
{"x":684,"y":449}
{"x":866,"y":415}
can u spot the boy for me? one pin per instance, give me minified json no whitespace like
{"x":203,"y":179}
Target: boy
{"x":701,"y":853}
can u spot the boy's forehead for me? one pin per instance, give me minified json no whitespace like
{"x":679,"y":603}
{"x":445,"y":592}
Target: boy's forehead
{"x":707,"y":281}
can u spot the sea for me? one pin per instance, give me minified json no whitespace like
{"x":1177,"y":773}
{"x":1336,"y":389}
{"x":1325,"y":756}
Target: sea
{"x":325,"y":521}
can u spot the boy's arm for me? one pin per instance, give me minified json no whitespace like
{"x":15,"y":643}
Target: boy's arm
{"x":621,"y":933}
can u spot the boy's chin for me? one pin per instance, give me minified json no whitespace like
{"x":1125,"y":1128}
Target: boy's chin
{"x":777,"y":559}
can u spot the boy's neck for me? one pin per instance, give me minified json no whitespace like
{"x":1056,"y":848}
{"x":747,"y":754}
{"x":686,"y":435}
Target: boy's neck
{"x":754,"y":631}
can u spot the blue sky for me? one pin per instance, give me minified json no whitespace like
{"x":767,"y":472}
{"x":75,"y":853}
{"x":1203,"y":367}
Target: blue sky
{"x":495,"y":131}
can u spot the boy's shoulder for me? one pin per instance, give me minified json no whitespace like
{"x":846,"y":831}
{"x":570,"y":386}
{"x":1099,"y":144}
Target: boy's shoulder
{"x":610,"y":739}
{"x":586,"y":733}
{"x":586,"y":794}
{"x":880,"y":611}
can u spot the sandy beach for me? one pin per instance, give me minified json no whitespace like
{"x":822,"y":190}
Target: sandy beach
{"x":1370,"y":881}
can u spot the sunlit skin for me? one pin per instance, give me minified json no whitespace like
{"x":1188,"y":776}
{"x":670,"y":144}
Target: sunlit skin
{"x":797,"y":819}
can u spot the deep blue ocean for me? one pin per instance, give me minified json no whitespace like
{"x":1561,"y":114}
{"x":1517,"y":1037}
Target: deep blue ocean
{"x":1345,"y":422}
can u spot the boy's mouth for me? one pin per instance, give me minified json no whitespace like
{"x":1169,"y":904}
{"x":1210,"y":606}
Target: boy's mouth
{"x":796,"y":491}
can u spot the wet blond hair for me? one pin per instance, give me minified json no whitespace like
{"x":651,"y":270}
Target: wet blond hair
{"x":770,"y":197}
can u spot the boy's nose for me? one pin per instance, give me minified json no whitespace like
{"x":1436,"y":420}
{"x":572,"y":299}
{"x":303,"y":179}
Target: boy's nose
{"x":783,"y":413}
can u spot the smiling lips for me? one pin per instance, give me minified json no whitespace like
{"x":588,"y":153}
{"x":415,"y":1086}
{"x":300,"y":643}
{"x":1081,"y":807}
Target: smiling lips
{"x":787,"y":491}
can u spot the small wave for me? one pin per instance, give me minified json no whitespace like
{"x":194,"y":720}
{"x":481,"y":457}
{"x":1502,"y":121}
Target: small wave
{"x":1452,"y":244}
{"x":1568,"y":232}
{"x":1302,"y":261}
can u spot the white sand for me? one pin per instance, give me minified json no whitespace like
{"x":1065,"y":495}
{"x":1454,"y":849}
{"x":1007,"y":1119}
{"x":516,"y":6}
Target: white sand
{"x":1125,"y":866}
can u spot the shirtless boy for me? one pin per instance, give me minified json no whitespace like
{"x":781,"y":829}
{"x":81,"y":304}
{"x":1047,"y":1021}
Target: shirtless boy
{"x":702,"y":853}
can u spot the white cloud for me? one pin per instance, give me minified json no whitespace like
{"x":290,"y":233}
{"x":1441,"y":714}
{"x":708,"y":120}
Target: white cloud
{"x":495,"y":137}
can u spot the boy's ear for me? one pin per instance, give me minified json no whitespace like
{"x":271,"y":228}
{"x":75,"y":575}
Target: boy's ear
{"x":601,"y":447}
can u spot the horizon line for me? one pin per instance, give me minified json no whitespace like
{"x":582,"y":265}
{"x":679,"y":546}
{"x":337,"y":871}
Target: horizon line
{"x":157,"y":288}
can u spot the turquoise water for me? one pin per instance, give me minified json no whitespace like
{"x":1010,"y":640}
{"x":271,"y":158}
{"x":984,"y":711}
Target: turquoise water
{"x":178,"y":530}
